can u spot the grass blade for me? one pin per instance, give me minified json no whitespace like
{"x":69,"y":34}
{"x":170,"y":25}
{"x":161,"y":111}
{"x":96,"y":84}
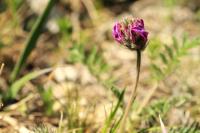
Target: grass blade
{"x":32,"y":40}
{"x":17,"y":85}
{"x":164,"y":130}
{"x":113,"y":113}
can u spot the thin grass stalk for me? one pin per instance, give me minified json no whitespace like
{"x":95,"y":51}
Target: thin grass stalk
{"x":163,"y":128}
{"x":147,"y":98}
{"x":113,"y":113}
{"x":60,"y":126}
{"x":32,"y":40}
{"x":133,"y":95}
{"x":15,"y":17}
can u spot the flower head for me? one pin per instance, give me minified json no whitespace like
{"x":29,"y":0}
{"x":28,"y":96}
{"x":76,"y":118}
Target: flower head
{"x":131,"y":33}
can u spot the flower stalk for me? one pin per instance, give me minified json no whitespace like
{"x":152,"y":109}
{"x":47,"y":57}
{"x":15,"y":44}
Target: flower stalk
{"x":132,"y":34}
{"x":133,"y":93}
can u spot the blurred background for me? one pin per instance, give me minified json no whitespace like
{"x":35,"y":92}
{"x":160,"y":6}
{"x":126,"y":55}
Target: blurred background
{"x":91,"y":70}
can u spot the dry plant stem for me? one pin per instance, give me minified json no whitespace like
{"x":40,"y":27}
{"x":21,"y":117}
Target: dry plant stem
{"x":1,"y":68}
{"x":76,"y":26}
{"x":147,"y":98}
{"x":91,"y":10}
{"x":133,"y":95}
{"x":21,"y":102}
{"x":163,"y":128}
{"x":60,"y":122}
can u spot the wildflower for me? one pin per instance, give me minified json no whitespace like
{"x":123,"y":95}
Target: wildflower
{"x":131,"y":33}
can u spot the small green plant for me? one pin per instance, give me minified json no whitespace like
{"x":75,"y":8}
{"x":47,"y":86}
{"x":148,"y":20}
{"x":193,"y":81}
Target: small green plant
{"x":43,"y":129}
{"x":1,"y":44}
{"x":71,"y":112}
{"x":96,"y":63}
{"x":76,"y":53}
{"x":170,"y":57}
{"x":14,"y":5}
{"x":93,"y":59}
{"x":48,"y":99}
{"x":164,"y":62}
{"x":65,"y":27}
{"x":112,"y":123}
{"x":170,"y":3}
{"x":166,"y":59}
{"x":193,"y":127}
{"x":161,"y":108}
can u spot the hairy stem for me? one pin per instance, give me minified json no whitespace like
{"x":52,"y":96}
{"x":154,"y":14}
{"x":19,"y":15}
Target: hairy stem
{"x":133,"y":94}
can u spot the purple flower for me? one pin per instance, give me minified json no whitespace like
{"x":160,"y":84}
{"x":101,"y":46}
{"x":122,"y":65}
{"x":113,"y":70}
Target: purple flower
{"x":138,"y":34}
{"x":118,"y":33}
{"x":131,"y":33}
{"x":138,"y":23}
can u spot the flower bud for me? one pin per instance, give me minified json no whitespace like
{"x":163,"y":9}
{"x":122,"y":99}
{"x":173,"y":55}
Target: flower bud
{"x":131,"y":33}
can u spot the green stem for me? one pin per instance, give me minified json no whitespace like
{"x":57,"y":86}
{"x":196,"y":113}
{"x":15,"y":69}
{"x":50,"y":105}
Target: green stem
{"x":133,"y":94}
{"x":32,"y":40}
{"x":113,"y":113}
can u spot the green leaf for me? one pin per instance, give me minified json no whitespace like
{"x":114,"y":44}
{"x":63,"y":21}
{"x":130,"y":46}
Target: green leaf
{"x":169,"y":51}
{"x":17,"y":85}
{"x":158,"y":72}
{"x":185,"y":38}
{"x":1,"y":44}
{"x":154,"y":48}
{"x":193,"y":43}
{"x":65,"y":25}
{"x":163,"y":58}
{"x":193,"y":127}
{"x":116,"y":91}
{"x":47,"y":98}
{"x":76,"y":53}
{"x":175,"y":53}
{"x":112,"y":114}
{"x":92,"y":56}
{"x":175,"y":43}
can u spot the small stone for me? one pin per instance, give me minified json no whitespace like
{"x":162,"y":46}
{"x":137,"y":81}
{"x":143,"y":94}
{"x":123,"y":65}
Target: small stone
{"x":85,"y":75}
{"x":66,"y":73}
{"x":53,"y":26}
{"x":38,"y":6}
